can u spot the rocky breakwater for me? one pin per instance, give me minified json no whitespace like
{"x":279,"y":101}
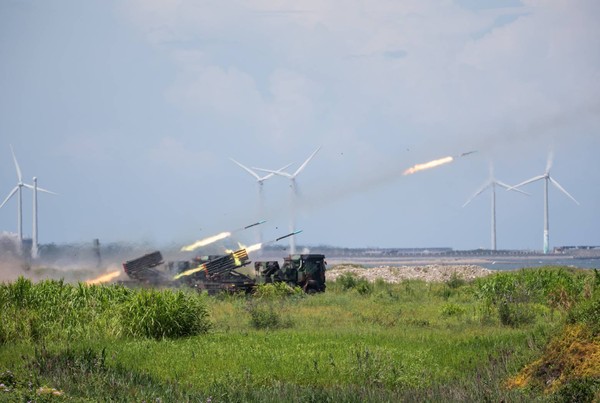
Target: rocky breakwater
{"x":428,"y":273}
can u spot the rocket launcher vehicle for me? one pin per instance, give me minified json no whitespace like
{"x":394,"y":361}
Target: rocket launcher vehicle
{"x":213,"y":273}
{"x":144,"y":268}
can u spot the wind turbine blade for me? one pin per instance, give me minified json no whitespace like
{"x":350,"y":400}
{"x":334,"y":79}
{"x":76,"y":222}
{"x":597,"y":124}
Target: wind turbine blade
{"x":537,"y":178}
{"x":11,"y":194}
{"x":563,"y":190}
{"x":251,"y":172}
{"x":16,"y":165}
{"x":284,"y":167}
{"x":287,"y":175}
{"x":306,"y":162}
{"x":507,"y":187}
{"x":46,"y":191}
{"x":39,"y":189}
{"x":484,"y":187}
{"x":549,"y":161}
{"x":491,"y":170}
{"x":264,"y":178}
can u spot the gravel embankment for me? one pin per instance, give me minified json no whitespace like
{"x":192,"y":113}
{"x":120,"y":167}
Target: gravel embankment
{"x":429,"y":273}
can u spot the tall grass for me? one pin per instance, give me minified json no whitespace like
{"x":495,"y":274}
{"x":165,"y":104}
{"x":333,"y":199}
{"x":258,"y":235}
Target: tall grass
{"x":557,"y":287}
{"x":518,"y":296}
{"x":53,"y":310}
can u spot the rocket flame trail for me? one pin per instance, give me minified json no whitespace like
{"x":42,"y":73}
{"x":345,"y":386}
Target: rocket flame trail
{"x":254,"y":248}
{"x":218,"y":237}
{"x":251,"y":248}
{"x":257,"y":246}
{"x":190,"y":271}
{"x":105,"y":278}
{"x":206,"y":241}
{"x":428,"y":165}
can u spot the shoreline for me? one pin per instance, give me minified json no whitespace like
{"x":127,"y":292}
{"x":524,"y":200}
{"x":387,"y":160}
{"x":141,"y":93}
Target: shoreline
{"x":491,"y":262}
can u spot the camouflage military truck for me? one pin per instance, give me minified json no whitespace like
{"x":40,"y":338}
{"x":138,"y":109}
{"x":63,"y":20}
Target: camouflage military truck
{"x":306,"y":271}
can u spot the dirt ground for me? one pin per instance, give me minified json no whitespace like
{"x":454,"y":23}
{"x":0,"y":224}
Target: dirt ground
{"x":428,"y":273}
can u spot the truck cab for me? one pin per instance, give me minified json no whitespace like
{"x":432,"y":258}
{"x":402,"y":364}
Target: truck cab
{"x":304,"y":270}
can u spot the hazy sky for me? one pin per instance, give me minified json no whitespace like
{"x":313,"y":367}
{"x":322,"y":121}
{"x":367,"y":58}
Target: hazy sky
{"x":130,"y":110}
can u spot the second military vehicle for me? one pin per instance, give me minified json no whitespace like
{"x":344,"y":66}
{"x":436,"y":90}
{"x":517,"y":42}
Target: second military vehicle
{"x":305,"y":270}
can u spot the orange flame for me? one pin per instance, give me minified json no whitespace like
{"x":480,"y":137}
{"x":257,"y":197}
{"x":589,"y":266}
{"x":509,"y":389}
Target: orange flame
{"x":428,"y":165}
{"x":105,"y":278}
{"x":205,"y":241}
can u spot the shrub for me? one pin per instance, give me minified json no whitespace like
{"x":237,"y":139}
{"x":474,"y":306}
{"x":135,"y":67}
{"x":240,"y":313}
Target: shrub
{"x":455,"y":281}
{"x":581,"y":390}
{"x":514,"y":314}
{"x":349,"y":281}
{"x":263,"y":316}
{"x":451,"y":309}
{"x":363,"y":287}
{"x":588,"y":313}
{"x":160,"y":314}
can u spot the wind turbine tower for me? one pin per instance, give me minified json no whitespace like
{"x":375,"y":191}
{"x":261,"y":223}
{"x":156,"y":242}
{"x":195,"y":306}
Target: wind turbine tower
{"x":34,"y":234}
{"x":546,"y":178}
{"x":492,"y":183}
{"x":18,"y":190}
{"x":294,"y":193}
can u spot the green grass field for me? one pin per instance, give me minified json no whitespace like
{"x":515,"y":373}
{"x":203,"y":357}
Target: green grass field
{"x":356,"y":342}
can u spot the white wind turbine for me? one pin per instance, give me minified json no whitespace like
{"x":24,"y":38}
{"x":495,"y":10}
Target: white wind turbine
{"x":294,"y":193}
{"x":261,"y":197}
{"x":18,"y":189}
{"x":547,"y":178}
{"x":492,"y":183}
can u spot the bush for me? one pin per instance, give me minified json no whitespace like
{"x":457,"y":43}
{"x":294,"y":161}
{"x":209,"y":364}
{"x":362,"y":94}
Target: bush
{"x":587,"y":313}
{"x":160,"y":314}
{"x":363,"y":287}
{"x":452,"y":310}
{"x":581,"y":390}
{"x":265,"y":317}
{"x":455,"y":281}
{"x":515,"y":315}
{"x":349,"y":281}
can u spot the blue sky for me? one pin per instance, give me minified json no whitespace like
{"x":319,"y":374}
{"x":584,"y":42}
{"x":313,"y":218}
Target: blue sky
{"x":131,"y":110}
